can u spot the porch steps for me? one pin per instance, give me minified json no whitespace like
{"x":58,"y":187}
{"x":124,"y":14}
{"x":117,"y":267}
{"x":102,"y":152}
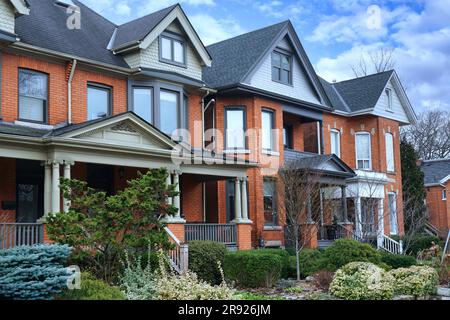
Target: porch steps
{"x":323,"y":244}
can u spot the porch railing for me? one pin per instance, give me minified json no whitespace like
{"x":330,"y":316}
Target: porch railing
{"x":390,"y":245}
{"x":331,"y":232}
{"x":20,"y":234}
{"x":179,"y":256}
{"x":222,"y":233}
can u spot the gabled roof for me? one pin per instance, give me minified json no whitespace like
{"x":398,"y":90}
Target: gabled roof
{"x":46,"y":27}
{"x":138,"y":29}
{"x":436,"y":171}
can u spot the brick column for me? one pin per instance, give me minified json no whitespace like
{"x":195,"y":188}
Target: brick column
{"x":309,"y":235}
{"x":177,"y":229}
{"x":244,"y":236}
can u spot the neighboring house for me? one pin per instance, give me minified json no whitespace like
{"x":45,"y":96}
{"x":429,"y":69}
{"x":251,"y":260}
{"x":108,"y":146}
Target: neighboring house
{"x":437,"y":184}
{"x":102,"y":102}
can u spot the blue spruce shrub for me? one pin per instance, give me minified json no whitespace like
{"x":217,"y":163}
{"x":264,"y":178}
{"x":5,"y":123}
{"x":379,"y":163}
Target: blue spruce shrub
{"x":33,"y":272}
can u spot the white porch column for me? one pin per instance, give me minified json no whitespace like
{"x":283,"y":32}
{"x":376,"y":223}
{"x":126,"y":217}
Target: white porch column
{"x":47,"y":188}
{"x":176,"y":199}
{"x":169,"y":183}
{"x":380,"y":231}
{"x":358,"y":216}
{"x":244,"y":199}
{"x":67,"y":175}
{"x":237,"y":200}
{"x":56,"y":194}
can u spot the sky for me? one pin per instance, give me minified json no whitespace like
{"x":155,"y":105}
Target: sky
{"x":336,"y":34}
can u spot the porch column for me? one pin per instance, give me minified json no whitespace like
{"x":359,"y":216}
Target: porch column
{"x":309,"y":218}
{"x":47,"y":188}
{"x":358,"y":216}
{"x":237,"y":200}
{"x":169,"y":183}
{"x":56,"y":194}
{"x":344,"y":204}
{"x":380,"y":231}
{"x":244,"y":200}
{"x":67,"y":175}
{"x":176,"y":199}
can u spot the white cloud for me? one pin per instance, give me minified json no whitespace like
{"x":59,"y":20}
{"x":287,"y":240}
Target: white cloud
{"x":212,"y":30}
{"x":151,"y":6}
{"x":123,"y":9}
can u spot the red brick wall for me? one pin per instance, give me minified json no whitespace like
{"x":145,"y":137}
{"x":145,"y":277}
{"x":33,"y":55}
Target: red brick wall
{"x":192,"y":198}
{"x":7,"y":187}
{"x":438,"y":209}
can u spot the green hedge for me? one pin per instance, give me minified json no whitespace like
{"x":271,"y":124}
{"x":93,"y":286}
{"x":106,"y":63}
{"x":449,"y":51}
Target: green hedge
{"x":92,"y":289}
{"x":33,"y":272}
{"x":396,"y":261}
{"x":204,"y":257}
{"x":311,"y":261}
{"x":417,"y":243}
{"x":285,"y":257}
{"x":253,"y":268}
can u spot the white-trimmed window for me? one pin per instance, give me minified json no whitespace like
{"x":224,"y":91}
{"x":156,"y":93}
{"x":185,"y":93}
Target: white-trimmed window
{"x":33,"y":96}
{"x":388,"y":93}
{"x":363,"y":151}
{"x":390,"y":159}
{"x":172,"y":50}
{"x":335,"y":142}
{"x":444,"y":194}
{"x":267,"y":130}
{"x":235,"y":128}
{"x":393,"y":213}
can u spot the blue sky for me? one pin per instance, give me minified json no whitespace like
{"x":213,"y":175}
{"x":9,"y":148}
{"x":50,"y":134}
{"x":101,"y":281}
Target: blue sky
{"x":335,"y":33}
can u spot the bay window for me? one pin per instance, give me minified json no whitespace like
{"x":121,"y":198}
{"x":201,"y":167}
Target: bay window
{"x":33,"y":96}
{"x":143,"y":103}
{"x":98,"y":101}
{"x":267,"y":130}
{"x":363,"y":151}
{"x":169,"y":111}
{"x":390,"y":161}
{"x":335,"y":142}
{"x":235,"y":128}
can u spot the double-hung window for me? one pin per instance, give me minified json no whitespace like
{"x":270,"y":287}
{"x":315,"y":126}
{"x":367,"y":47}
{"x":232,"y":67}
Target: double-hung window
{"x":143,"y":103}
{"x":172,"y":50}
{"x":388,"y":93}
{"x":363,"y":151}
{"x":390,"y":161}
{"x":281,"y":67}
{"x":33,"y":96}
{"x":335,"y":142}
{"x":267,"y":130}
{"x":98,"y":101}
{"x":444,"y":194}
{"x":235,"y":128}
{"x":287,"y":136}
{"x":270,"y":207}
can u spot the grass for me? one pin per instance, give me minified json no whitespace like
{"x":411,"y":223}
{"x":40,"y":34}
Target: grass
{"x":244,"y":295}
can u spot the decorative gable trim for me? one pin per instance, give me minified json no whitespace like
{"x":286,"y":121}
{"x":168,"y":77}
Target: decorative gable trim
{"x":20,"y":7}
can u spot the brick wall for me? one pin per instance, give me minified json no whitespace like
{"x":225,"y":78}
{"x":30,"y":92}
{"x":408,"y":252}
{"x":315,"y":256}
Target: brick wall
{"x":438,"y":209}
{"x":7,"y":187}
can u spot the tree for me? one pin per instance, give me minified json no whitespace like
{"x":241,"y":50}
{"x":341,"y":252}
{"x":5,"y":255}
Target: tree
{"x":102,"y":228}
{"x":414,"y":194}
{"x":430,"y":137}
{"x":377,"y":61}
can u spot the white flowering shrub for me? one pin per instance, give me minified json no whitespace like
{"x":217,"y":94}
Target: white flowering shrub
{"x":362,"y":281}
{"x":418,"y":281}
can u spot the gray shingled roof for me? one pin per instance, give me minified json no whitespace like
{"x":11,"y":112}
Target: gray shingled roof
{"x":18,"y":130}
{"x":46,"y":27}
{"x":357,"y":94}
{"x":138,"y":29}
{"x":435,"y":170}
{"x":233,"y":58}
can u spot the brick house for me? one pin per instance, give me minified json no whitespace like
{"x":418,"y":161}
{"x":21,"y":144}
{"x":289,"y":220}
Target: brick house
{"x":101,"y":102}
{"x":437,"y":184}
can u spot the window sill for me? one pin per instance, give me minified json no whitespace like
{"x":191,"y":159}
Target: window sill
{"x":272,"y":228}
{"x":236,"y":151}
{"x":34,"y":125}
{"x":271,"y":153}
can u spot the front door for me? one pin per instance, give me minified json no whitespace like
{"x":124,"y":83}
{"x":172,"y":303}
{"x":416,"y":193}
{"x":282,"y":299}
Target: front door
{"x":29,"y":191}
{"x":101,"y":178}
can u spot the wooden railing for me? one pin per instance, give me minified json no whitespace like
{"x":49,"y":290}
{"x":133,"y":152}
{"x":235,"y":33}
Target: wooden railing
{"x":20,"y":234}
{"x":222,"y":233}
{"x":179,"y":256}
{"x":390,"y":245}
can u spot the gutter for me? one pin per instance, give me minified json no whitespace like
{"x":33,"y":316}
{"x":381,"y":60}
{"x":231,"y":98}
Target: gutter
{"x":69,"y":92}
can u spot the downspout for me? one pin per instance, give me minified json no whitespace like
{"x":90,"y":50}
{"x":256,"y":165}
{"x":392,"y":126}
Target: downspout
{"x":69,"y":92}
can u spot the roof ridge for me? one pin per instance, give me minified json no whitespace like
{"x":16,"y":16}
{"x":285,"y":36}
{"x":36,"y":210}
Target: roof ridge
{"x":96,"y":13}
{"x":363,"y":77}
{"x":247,"y":33}
{"x":147,"y":15}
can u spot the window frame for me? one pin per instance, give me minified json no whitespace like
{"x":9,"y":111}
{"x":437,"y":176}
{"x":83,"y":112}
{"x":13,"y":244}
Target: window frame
{"x":361,"y":133}
{"x":272,"y":128}
{"x":45,"y":107}
{"x":179,"y":107}
{"x":172,"y":38}
{"x":388,"y":169}
{"x":394,"y":196}
{"x":275,"y":219}
{"x":102,"y":87}
{"x":444,"y":194}
{"x":282,"y":53}
{"x":244,"y":116}
{"x":336,"y":131}
{"x":288,"y":134}
{"x":389,"y":106}
{"x":133,"y":103}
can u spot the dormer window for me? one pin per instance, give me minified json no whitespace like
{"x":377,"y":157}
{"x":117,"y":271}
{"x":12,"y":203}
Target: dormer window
{"x":172,"y":49}
{"x":281,"y":67}
{"x":389,"y":99}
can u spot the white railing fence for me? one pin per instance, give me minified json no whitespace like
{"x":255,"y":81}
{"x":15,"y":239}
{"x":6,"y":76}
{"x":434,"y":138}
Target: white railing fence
{"x":390,"y":245}
{"x":222,"y":233}
{"x":20,"y":234}
{"x":178,"y":257}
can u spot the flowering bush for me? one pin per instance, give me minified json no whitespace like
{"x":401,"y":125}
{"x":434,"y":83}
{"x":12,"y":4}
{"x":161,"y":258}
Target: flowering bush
{"x":362,"y":281}
{"x":418,"y":281}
